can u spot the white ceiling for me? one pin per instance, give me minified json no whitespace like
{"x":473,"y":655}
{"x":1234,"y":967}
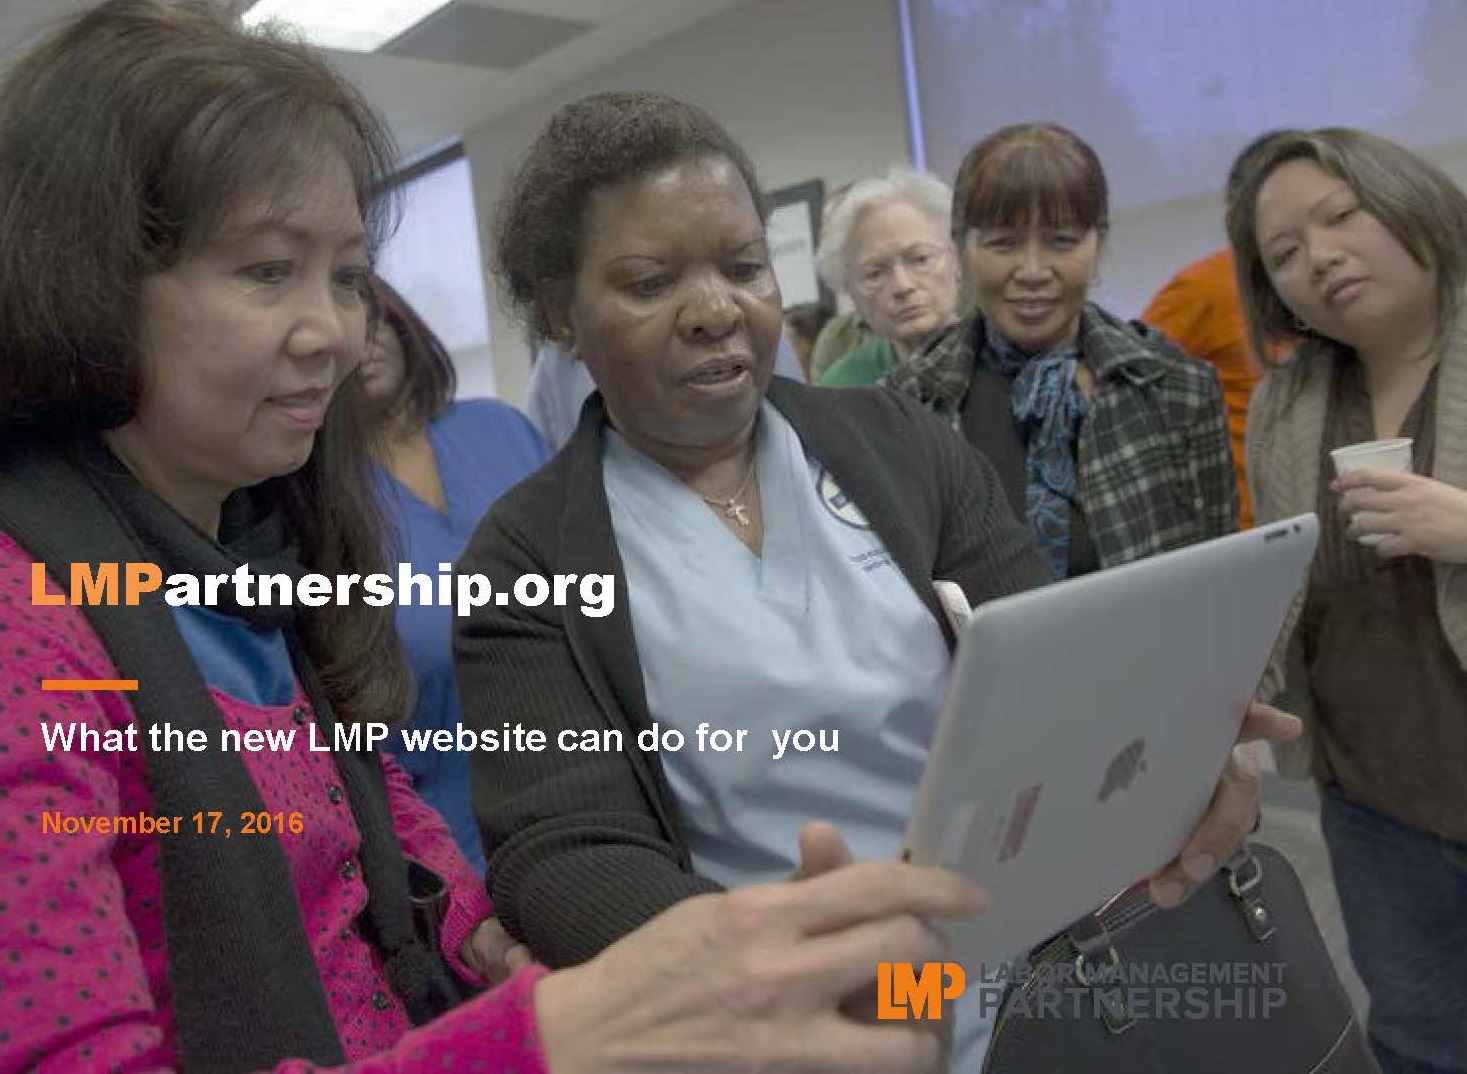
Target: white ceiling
{"x":428,"y":102}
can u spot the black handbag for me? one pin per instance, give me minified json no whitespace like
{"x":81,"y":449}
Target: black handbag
{"x":1235,"y":980}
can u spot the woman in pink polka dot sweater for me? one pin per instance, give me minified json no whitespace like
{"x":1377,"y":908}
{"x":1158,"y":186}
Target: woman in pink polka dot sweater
{"x":187,"y":218}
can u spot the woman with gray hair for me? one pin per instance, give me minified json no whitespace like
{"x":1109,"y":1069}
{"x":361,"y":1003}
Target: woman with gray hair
{"x":888,"y":245}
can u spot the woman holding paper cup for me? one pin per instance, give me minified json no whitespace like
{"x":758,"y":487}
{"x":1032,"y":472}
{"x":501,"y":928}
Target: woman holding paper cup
{"x":777,"y":547}
{"x":1357,"y":248}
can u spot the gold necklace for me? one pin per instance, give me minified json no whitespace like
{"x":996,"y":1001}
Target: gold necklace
{"x":733,"y":507}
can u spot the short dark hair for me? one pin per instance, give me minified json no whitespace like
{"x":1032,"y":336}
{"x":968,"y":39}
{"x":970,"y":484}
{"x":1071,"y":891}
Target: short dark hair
{"x":1039,"y":172}
{"x":428,"y":377}
{"x":589,"y":144}
{"x":126,"y":139}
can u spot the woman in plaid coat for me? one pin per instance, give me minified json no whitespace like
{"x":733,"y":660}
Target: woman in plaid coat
{"x":1111,"y":441}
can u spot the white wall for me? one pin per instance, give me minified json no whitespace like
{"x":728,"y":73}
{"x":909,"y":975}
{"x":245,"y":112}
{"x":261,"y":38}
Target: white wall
{"x":812,"y":89}
{"x":1148,"y":245}
{"x":433,"y":259}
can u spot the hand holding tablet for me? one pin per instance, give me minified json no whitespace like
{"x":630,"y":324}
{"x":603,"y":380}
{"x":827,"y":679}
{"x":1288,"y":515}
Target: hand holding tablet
{"x":1089,"y":729}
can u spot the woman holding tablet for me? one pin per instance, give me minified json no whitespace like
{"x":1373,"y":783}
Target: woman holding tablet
{"x":1357,"y":249}
{"x":777,"y":546}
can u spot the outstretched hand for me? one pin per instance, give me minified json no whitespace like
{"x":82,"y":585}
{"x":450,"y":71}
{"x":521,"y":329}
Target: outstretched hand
{"x":758,"y":978}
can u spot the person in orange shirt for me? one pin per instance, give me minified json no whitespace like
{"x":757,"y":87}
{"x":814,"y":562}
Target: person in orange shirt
{"x":1199,"y":309}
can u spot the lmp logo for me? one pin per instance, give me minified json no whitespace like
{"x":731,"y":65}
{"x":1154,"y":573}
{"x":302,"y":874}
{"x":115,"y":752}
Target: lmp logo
{"x":98,"y":586}
{"x":902,"y":993}
{"x":1123,"y":770}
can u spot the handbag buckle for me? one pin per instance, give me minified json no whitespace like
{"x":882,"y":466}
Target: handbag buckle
{"x":1241,"y":887}
{"x":1083,"y":976}
{"x":1244,"y":889}
{"x":1111,"y":1000}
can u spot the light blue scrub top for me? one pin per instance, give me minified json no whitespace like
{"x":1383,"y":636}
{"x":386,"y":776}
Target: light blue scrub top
{"x":822,"y":633}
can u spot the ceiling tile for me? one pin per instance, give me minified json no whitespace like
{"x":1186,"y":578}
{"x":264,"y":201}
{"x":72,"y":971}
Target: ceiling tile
{"x":484,"y":37}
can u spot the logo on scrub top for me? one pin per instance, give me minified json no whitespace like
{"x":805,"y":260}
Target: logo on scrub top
{"x":838,"y":503}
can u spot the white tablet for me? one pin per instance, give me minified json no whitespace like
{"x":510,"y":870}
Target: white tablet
{"x":1087,"y":724}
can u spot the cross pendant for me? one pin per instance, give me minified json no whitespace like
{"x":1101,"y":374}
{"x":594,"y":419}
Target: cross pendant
{"x":738,"y":512}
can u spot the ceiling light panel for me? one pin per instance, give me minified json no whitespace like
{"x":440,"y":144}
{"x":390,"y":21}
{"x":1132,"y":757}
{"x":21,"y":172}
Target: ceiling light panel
{"x":353,"y":25}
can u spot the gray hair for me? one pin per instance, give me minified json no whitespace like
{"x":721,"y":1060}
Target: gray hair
{"x":923,"y":191}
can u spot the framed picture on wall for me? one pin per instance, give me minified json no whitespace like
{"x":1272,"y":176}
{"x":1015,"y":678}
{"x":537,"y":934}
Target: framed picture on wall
{"x":794,"y":233}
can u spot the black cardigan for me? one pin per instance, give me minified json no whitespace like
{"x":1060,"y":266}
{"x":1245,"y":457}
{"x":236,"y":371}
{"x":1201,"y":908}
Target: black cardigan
{"x":585,"y":847}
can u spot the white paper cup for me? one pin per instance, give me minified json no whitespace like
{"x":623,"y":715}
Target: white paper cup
{"x":1374,"y":455}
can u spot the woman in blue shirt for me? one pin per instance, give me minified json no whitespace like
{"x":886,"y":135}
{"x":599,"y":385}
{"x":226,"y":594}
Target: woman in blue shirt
{"x":440,"y":464}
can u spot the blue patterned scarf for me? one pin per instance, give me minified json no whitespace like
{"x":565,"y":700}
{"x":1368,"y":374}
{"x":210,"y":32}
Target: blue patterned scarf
{"x":1049,"y":406}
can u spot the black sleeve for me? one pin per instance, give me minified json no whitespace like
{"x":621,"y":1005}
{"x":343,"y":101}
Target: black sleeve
{"x":981,"y":545}
{"x":577,"y":857}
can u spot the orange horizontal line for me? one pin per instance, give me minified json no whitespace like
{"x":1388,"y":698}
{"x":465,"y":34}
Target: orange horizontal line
{"x":89,"y":684}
